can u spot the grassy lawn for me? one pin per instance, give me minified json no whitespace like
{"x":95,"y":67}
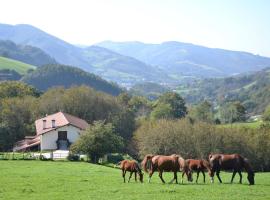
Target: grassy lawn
{"x":69,"y":180}
{"x":20,"y":67}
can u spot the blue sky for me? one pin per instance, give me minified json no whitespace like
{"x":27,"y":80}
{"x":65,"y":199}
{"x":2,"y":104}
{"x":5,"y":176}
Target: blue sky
{"x":230,"y":24}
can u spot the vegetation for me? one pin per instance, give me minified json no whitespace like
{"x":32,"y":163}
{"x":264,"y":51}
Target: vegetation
{"x":49,"y":76}
{"x":252,"y":91}
{"x":98,"y":140}
{"x":20,"y":67}
{"x":79,"y":180}
{"x":149,"y":90}
{"x":197,"y":140}
{"x":25,"y":53}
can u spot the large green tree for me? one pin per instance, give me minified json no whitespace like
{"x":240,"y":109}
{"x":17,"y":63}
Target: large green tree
{"x":176,"y":102}
{"x":98,"y":140}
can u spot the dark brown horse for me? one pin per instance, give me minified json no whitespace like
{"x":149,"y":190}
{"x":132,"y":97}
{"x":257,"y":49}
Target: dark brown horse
{"x":160,"y":163}
{"x":130,"y":166}
{"x":198,"y":166}
{"x":233,"y":162}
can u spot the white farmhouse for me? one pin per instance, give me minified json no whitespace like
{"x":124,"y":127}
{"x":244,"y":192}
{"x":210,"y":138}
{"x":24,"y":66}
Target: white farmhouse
{"x":53,"y":132}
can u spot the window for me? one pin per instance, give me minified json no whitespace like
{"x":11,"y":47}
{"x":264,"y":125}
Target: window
{"x":53,"y":123}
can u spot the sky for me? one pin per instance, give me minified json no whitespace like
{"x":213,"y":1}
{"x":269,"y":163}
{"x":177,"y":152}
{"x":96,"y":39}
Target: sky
{"x":242,"y":25}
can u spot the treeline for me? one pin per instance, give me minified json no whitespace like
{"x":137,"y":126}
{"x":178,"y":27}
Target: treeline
{"x":198,"y":140}
{"x":132,"y":124}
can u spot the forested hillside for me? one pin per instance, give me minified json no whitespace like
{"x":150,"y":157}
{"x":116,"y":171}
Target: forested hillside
{"x":61,"y":75}
{"x":25,"y":53}
{"x":252,"y":90}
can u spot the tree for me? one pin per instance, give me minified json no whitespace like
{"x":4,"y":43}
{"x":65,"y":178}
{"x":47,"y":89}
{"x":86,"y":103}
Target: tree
{"x":98,"y":140}
{"x":203,"y":112}
{"x":162,"y":111}
{"x":266,"y":114}
{"x":176,"y":102}
{"x":232,"y":112}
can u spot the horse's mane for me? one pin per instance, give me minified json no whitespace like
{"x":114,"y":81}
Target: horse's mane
{"x":145,"y":162}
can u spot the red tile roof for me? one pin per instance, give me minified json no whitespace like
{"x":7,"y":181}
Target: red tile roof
{"x":61,"y":119}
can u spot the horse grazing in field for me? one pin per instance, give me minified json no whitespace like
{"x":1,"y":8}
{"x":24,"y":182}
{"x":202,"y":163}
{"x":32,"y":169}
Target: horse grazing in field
{"x":130,"y":166}
{"x":198,"y":166}
{"x":161,"y":163}
{"x":233,"y":162}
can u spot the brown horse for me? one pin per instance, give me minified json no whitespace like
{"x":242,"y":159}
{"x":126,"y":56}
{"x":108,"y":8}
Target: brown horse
{"x":130,"y":166}
{"x":233,"y":162}
{"x":160,"y":163}
{"x":198,"y":166}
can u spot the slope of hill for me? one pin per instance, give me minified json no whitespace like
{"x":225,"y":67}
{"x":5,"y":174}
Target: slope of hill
{"x":62,"y":51}
{"x":252,"y":90}
{"x":149,"y":90}
{"x":20,"y":67}
{"x":25,"y":53}
{"x":114,"y":66}
{"x":178,"y":58}
{"x":61,"y":75}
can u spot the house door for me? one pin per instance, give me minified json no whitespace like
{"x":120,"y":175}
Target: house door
{"x":62,"y":140}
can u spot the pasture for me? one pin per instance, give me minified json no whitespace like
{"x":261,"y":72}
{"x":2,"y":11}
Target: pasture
{"x":45,"y":180}
{"x":20,"y":67}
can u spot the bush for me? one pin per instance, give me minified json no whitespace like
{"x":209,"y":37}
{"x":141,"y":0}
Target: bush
{"x":73,"y":157}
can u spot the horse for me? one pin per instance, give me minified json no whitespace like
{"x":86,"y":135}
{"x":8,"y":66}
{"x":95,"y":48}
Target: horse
{"x":198,"y":166}
{"x":233,"y":162}
{"x":130,"y":166}
{"x":161,"y":163}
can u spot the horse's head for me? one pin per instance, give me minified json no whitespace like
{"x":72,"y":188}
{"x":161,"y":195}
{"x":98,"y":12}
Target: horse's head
{"x":250,"y":178}
{"x":188,"y":172}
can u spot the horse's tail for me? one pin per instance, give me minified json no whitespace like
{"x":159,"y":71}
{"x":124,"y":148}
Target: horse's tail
{"x":206,"y":164}
{"x":147,"y":163}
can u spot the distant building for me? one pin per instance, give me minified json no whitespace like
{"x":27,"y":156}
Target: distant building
{"x":53,"y":132}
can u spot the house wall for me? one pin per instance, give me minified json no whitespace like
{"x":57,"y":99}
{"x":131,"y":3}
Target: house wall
{"x":48,"y":140}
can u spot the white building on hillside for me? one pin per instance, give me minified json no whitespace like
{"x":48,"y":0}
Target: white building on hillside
{"x":53,"y":132}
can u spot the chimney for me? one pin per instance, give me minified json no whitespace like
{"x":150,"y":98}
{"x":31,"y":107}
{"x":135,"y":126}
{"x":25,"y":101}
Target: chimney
{"x":44,"y":124}
{"x":53,"y":123}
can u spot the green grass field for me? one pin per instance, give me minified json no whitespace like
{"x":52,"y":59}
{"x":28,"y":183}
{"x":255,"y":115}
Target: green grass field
{"x":20,"y":67}
{"x":58,"y":180}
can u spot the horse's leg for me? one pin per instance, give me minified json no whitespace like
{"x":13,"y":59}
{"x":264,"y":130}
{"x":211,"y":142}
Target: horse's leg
{"x":183,"y":174}
{"x":233,"y":175}
{"x":203,"y":176}
{"x":150,"y":176}
{"x":135,"y":176}
{"x":124,"y":175}
{"x":160,"y":176}
{"x":130,"y":176}
{"x":198,"y":173}
{"x":240,"y":174}
{"x":175,"y":176}
{"x":218,"y":172}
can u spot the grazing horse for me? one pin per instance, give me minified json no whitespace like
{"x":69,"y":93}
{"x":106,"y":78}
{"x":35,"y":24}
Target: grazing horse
{"x":160,"y":163}
{"x":198,"y":166}
{"x":233,"y":162}
{"x":130,"y":166}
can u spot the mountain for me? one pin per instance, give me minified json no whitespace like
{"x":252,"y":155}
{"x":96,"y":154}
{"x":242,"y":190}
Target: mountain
{"x":183,"y":59}
{"x":62,"y":51}
{"x":25,"y":53}
{"x":20,"y":67}
{"x":61,"y":75}
{"x":115,"y":67}
{"x":106,"y":63}
{"x":252,"y":90}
